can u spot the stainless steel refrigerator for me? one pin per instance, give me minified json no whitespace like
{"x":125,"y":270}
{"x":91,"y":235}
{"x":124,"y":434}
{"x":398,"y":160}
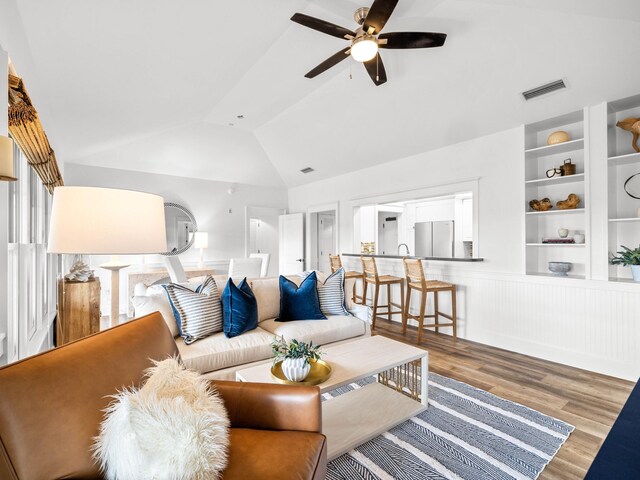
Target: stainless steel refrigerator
{"x":434,"y":239}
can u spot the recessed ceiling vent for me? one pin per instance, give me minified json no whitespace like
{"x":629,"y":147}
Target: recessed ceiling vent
{"x":544,"y":89}
{"x":307,"y":170}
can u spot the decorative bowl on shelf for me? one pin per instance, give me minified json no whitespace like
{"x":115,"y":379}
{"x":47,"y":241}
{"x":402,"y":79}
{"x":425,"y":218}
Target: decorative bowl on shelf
{"x":570,"y":203}
{"x":558,"y":137}
{"x":560,"y":269}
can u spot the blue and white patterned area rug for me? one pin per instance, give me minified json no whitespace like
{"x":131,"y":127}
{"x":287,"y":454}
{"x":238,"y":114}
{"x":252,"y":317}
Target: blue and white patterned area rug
{"x":466,"y":433}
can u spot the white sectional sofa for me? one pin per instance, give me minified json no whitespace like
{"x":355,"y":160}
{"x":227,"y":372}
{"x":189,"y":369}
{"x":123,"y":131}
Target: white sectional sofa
{"x":220,"y":357}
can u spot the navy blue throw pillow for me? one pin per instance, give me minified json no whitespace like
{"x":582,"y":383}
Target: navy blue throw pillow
{"x":299,"y":303}
{"x":239,"y":309}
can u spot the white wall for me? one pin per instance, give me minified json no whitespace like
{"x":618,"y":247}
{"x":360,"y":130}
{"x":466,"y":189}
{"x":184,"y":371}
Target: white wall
{"x":216,"y":211}
{"x":585,"y":323}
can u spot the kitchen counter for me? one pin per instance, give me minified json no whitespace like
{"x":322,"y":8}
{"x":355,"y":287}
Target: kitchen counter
{"x":400,"y":257}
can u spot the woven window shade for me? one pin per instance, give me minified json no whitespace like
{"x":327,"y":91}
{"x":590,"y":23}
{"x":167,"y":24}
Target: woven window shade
{"x":27,"y":132}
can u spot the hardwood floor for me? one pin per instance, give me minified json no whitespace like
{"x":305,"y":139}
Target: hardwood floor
{"x":589,"y":401}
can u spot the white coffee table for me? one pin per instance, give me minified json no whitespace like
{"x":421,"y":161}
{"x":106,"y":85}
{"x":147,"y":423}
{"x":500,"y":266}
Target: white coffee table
{"x":364,"y":413}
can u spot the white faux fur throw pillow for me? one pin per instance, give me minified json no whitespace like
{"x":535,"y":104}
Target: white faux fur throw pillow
{"x":174,"y":427}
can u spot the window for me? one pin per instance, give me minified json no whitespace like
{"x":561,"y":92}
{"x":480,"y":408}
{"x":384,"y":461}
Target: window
{"x":32,"y":273}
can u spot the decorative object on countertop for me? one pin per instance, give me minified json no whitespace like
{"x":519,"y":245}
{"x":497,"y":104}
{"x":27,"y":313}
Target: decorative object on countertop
{"x":79,"y":271}
{"x":570,"y":203}
{"x":294,"y":357}
{"x":541,"y":205}
{"x":558,"y":240}
{"x":558,"y":137}
{"x":368,"y":248}
{"x":578,"y":237}
{"x":632,"y":125}
{"x":567,"y":168}
{"x":6,"y":159}
{"x":560,"y":269}
{"x":563,"y":232}
{"x":626,"y":188}
{"x":628,"y":258}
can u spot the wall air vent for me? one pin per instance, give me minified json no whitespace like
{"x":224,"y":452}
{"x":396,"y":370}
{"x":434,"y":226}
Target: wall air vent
{"x":307,"y":170}
{"x":544,"y":89}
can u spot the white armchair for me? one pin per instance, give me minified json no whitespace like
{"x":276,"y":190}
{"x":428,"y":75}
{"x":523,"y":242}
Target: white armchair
{"x":175,"y":269}
{"x":264,"y":270}
{"x":245,"y":267}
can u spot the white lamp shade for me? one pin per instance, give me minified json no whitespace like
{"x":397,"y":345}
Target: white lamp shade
{"x":106,"y":221}
{"x":6,"y":157}
{"x":201,"y":240}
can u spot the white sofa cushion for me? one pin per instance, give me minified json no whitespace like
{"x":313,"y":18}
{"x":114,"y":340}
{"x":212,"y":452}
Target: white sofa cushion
{"x":199,"y":313}
{"x":333,"y":329}
{"x":156,"y":302}
{"x":217,"y":351}
{"x":267,"y":292}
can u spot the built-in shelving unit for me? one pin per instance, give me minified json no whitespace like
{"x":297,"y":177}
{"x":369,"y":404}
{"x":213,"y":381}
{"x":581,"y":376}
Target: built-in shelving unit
{"x":630,"y":219}
{"x":558,"y":148}
{"x":627,"y":159}
{"x":557,"y":180}
{"x":539,"y":158}
{"x":561,"y":245}
{"x":571,"y":211}
{"x":623,"y":161}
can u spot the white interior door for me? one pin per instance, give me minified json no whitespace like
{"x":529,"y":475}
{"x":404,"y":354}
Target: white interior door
{"x":326,"y":240}
{"x":291,"y":236}
{"x":388,"y":234}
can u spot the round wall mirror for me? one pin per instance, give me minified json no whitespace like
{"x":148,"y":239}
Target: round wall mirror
{"x":181,"y":225}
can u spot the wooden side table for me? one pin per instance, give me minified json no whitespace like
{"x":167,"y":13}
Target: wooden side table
{"x":78,"y":310}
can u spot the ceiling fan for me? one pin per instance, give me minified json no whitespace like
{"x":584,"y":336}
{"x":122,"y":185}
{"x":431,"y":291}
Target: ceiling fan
{"x":366,"y":40}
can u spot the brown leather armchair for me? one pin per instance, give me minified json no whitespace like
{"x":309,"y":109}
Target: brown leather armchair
{"x":51,"y":406}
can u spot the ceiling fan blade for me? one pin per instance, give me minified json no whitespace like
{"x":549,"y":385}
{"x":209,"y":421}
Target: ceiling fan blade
{"x":378,"y":15}
{"x":329,"y":62}
{"x":412,"y":39}
{"x":375,"y":69}
{"x":322,"y":26}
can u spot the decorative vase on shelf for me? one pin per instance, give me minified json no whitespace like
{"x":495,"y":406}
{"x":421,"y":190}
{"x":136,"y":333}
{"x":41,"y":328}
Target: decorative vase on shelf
{"x":635,"y":272}
{"x":563,"y":232}
{"x":296,"y":369}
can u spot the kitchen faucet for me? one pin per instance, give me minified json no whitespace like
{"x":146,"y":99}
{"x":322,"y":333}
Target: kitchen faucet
{"x":405,"y":246}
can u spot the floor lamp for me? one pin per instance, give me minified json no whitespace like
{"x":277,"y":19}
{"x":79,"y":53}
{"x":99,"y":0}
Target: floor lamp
{"x":107,"y":221}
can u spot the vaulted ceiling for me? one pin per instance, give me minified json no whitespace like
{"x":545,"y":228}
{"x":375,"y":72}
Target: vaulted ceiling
{"x":153,"y":85}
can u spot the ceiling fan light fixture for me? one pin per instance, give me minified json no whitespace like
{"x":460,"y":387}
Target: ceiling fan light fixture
{"x":364,"y":48}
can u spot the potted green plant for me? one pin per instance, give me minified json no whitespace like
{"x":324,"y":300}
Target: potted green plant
{"x":631,"y":258}
{"x":295,"y":357}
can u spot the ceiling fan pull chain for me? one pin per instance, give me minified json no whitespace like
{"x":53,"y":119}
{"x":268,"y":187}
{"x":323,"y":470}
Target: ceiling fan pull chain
{"x":350,"y":76}
{"x":377,"y":64}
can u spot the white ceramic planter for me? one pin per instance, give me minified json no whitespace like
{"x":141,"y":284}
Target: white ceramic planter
{"x":295,"y":369}
{"x":635,"y":272}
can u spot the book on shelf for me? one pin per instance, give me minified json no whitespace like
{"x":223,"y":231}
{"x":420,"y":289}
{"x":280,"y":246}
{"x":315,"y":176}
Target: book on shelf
{"x":558,"y":240}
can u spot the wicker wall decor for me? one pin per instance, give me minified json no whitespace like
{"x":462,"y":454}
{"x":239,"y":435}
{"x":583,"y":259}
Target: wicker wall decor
{"x":27,"y":132}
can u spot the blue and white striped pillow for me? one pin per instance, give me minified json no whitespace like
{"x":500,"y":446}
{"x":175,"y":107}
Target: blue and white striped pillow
{"x":331,"y":294}
{"x":198,"y":314}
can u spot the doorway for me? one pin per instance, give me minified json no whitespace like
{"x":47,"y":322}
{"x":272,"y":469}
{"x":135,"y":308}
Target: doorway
{"x":326,"y":240}
{"x":322,"y":236}
{"x":387,"y":233}
{"x":261,"y":234}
